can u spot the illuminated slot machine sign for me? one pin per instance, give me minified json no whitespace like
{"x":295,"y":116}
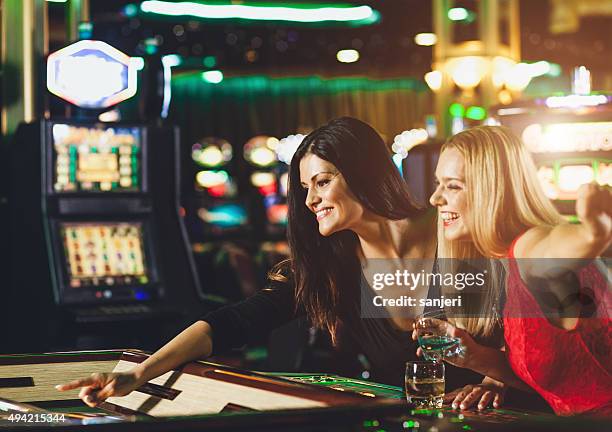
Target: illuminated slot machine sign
{"x":101,"y":257}
{"x":92,"y":159}
{"x":569,"y":155}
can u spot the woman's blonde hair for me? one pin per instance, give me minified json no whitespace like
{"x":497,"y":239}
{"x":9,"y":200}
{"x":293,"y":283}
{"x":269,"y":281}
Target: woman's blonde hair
{"x":505,"y":199}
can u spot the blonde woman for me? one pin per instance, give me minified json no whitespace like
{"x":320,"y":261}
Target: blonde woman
{"x":490,"y":205}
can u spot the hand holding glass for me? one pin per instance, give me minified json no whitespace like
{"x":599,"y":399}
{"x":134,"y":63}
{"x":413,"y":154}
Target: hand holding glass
{"x":434,"y":336}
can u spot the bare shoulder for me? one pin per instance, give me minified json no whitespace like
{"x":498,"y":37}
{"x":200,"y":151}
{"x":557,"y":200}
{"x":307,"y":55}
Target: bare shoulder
{"x":527,"y":245}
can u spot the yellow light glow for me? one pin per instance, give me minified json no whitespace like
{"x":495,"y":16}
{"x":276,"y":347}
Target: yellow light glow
{"x":533,"y":135}
{"x":574,"y":176}
{"x":211,"y":156}
{"x":262,"y":156}
{"x":425,"y":39}
{"x":518,"y":79}
{"x":272,"y":143}
{"x":347,"y":56}
{"x":434,"y":80}
{"x":502,"y":67}
{"x":261,"y":179}
{"x":604,"y":174}
{"x":539,"y":68}
{"x":504,"y":97}
{"x":209,"y":179}
{"x":467,"y":72}
{"x":546,"y":176}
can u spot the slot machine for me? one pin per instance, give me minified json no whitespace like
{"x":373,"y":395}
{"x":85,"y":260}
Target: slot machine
{"x":268,"y":180}
{"x":219,"y":222}
{"x":570,"y":139}
{"x":99,"y":253}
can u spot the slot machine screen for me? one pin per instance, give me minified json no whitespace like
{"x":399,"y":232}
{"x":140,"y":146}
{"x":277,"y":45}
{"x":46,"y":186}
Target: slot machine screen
{"x":96,"y":159}
{"x":561,"y":180}
{"x":224,"y":217}
{"x":104,"y":260}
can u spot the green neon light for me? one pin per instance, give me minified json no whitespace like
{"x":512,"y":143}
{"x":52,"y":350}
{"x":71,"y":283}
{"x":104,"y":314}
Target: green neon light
{"x":458,"y":14}
{"x":130,"y":10}
{"x":457,"y":110}
{"x":476,"y":113}
{"x":213,"y":77}
{"x":310,"y":83}
{"x":304,"y":13}
{"x":555,"y":70}
{"x":210,"y":61}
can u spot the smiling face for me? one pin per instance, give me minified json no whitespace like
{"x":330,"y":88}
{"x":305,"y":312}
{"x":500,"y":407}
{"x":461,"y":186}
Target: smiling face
{"x":450,"y":196}
{"x":328,"y":196}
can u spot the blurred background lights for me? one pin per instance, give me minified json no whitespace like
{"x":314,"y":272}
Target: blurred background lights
{"x":405,"y":141}
{"x":458,"y":14}
{"x":518,"y":79}
{"x":425,"y":39}
{"x":208,"y":179}
{"x":261,"y":178}
{"x":434,"y":80}
{"x":209,"y":61}
{"x":347,"y":56}
{"x":213,"y":76}
{"x":287,"y":147}
{"x":272,"y":143}
{"x":572,"y":177}
{"x":575,"y":101}
{"x":568,"y":137}
{"x":211,"y":152}
{"x":262,"y":156}
{"x":257,"y":152}
{"x":262,"y":12}
{"x":467,"y":72}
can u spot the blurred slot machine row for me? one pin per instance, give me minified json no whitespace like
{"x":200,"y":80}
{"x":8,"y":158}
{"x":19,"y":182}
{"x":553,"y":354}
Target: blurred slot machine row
{"x":570,"y":139}
{"x":237,"y":228}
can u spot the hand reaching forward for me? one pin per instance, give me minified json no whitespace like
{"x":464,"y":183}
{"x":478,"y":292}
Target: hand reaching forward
{"x":100,"y":386}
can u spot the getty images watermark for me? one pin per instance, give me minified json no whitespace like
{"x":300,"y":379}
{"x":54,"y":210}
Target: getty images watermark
{"x":480,"y":288}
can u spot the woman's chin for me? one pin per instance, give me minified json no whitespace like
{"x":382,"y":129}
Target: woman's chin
{"x":326,"y":231}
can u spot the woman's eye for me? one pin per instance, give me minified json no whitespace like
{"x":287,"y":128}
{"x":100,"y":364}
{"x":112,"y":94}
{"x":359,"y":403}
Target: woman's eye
{"x":453,"y":186}
{"x":322,"y":183}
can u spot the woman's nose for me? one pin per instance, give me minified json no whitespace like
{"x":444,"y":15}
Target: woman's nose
{"x":436,"y":198}
{"x":312,"y":198}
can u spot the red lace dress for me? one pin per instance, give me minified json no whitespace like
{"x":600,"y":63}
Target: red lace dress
{"x":570,"y":369}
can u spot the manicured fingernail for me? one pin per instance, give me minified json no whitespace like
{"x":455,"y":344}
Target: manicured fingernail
{"x":58,"y":387}
{"x":454,"y":406}
{"x":462,"y":406}
{"x":495,"y":404}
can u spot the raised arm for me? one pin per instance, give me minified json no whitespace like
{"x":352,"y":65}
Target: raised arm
{"x":586,"y":240}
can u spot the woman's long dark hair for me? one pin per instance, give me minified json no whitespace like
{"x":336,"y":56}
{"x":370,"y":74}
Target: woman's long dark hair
{"x":327,"y":268}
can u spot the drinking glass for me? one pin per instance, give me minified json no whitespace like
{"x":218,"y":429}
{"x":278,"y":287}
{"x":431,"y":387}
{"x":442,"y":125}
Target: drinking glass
{"x":434,"y":336}
{"x":425,"y":384}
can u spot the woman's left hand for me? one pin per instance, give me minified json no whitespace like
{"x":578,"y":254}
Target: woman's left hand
{"x":489,"y":392}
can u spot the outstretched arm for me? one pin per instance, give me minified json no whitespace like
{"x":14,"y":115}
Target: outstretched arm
{"x":192,"y":343}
